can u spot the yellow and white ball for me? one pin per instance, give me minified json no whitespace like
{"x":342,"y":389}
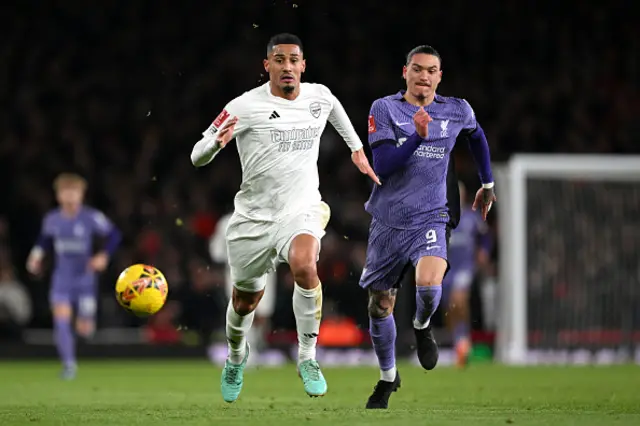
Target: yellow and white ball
{"x":142,"y":289}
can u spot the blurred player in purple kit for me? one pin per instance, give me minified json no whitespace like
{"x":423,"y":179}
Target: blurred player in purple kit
{"x":469,"y":248}
{"x":72,"y":231}
{"x":412,"y":134}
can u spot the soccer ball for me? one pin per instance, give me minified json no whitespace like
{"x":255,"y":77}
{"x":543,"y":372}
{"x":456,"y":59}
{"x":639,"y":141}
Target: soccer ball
{"x":141,"y":290}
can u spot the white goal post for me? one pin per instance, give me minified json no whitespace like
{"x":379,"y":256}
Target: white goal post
{"x":556,"y":213}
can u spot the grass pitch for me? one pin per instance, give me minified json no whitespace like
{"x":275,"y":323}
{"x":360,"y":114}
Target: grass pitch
{"x":187,"y":393}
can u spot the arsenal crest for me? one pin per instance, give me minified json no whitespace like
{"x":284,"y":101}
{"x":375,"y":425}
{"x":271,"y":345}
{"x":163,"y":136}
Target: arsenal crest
{"x":315,"y":109}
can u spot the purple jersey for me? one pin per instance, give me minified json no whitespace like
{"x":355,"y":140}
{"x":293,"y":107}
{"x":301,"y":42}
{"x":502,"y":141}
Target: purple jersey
{"x":417,"y":192}
{"x":72,"y":240}
{"x":471,"y":232}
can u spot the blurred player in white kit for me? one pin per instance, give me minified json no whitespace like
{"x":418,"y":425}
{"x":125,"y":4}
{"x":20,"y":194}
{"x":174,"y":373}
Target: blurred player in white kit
{"x":279,"y":215}
{"x":261,"y":321}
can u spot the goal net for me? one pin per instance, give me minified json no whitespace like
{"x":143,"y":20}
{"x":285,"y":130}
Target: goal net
{"x":569,"y":261}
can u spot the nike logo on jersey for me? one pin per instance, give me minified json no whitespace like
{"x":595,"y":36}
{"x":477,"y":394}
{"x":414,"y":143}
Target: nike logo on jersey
{"x":273,"y":115}
{"x":402,"y":124}
{"x":432,"y":247}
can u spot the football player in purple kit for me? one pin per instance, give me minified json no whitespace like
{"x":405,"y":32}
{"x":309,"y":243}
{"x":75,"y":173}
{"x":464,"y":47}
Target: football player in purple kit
{"x":412,"y":134}
{"x":469,"y":248}
{"x":71,"y":232}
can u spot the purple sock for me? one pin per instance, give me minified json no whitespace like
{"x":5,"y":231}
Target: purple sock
{"x":65,"y":341}
{"x":383,"y":336}
{"x":460,"y":331}
{"x":427,"y":301}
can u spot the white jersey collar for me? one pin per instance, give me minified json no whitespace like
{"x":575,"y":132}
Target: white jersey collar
{"x":267,"y":88}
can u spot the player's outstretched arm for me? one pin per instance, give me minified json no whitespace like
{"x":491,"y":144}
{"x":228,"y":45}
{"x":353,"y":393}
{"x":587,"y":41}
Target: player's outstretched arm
{"x":479,"y":148}
{"x":389,"y":154}
{"x":233,"y":120}
{"x":205,"y":150}
{"x":340,"y":121}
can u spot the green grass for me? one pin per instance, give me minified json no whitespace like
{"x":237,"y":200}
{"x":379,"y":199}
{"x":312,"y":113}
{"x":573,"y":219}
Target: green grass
{"x":187,"y":393}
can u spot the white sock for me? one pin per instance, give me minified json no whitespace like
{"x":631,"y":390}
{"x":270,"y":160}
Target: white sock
{"x":389,"y":375}
{"x":419,"y":326}
{"x":237,"y":329}
{"x":307,"y":307}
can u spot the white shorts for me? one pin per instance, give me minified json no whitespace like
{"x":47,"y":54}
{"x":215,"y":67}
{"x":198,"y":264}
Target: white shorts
{"x":462,"y":279}
{"x":255,"y":248}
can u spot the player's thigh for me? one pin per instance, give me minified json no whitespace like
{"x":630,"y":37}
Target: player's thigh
{"x":386,"y":258}
{"x":251,"y":252}
{"x":429,"y":254}
{"x":311,"y":224}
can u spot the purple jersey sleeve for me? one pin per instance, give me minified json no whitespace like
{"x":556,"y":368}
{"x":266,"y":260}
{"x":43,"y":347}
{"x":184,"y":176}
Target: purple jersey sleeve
{"x":469,"y":122}
{"x":478,"y":144}
{"x":389,"y":155}
{"x":380,"y":123}
{"x":101,"y":223}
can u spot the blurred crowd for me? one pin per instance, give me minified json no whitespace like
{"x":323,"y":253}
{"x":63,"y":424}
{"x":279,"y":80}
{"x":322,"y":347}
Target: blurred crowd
{"x":120,"y":91}
{"x":583,"y":262}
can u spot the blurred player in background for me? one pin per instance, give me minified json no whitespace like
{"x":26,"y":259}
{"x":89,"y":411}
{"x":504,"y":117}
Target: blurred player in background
{"x":469,"y":247}
{"x":279,"y":214}
{"x":412,"y":134}
{"x":218,"y":250}
{"x":83,"y":240}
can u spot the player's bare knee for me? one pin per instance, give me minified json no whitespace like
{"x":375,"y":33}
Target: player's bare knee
{"x":244,"y":307}
{"x":244,"y":302}
{"x":381,"y":303}
{"x":428,"y":280}
{"x":85,"y":327}
{"x":303,"y":254}
{"x":430,"y":271}
{"x":427,"y":277}
{"x":62,"y":311}
{"x":305,"y":273}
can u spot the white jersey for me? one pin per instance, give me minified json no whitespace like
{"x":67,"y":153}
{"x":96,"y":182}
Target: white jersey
{"x":278,"y":143}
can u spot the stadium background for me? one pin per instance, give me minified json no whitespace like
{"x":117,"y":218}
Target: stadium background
{"x":120,"y":92}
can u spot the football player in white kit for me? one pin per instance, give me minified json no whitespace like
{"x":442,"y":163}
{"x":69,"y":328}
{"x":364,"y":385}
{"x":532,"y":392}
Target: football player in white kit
{"x":279,"y":215}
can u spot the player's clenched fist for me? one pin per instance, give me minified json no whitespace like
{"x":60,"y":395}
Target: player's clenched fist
{"x":421,"y":120}
{"x":226,"y":133}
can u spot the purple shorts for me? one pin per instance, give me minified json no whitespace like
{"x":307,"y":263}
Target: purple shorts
{"x":81,"y":293}
{"x":391,"y":250}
